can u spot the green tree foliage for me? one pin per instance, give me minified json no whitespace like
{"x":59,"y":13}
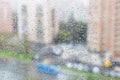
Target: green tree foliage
{"x":72,"y":31}
{"x":63,"y":35}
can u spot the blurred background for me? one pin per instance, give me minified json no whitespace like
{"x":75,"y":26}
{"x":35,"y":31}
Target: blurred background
{"x":79,"y":38}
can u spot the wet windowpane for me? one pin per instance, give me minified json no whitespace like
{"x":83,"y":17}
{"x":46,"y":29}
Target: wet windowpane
{"x":59,"y":40}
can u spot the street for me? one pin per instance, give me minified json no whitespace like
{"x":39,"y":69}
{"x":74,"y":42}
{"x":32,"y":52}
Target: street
{"x":15,"y":70}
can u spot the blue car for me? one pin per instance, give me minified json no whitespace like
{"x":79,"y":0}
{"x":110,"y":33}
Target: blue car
{"x":48,"y":69}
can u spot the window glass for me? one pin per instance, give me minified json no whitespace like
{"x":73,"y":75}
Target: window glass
{"x":59,"y":39}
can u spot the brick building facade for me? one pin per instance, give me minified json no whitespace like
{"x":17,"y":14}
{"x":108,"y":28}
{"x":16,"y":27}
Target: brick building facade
{"x":6,"y":19}
{"x":104,"y":27}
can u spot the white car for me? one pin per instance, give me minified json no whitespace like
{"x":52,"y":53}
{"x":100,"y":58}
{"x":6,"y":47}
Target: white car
{"x":57,"y":50}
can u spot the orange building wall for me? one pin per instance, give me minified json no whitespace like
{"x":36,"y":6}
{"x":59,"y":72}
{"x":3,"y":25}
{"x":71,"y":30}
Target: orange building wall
{"x":6,"y":20}
{"x":102,"y":24}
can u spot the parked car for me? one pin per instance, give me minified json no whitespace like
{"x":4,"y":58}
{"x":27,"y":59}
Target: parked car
{"x":47,"y":69}
{"x":56,"y":50}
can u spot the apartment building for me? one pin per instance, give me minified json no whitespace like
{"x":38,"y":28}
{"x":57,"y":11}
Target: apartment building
{"x":117,"y":28}
{"x":36,"y":21}
{"x":104,"y":26}
{"x":6,"y":19}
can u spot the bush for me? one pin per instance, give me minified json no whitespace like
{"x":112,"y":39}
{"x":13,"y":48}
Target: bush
{"x":11,"y":54}
{"x":72,"y":31}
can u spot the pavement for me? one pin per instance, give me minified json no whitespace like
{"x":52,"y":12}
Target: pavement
{"x":14,"y":70}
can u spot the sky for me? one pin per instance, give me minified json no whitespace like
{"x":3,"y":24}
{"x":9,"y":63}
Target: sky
{"x":66,"y":7}
{"x":85,"y":2}
{"x":78,"y":7}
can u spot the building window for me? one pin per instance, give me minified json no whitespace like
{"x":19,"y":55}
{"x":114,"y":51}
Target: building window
{"x":39,"y":16}
{"x":53,"y":17}
{"x":24,"y":18}
{"x":15,"y":22}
